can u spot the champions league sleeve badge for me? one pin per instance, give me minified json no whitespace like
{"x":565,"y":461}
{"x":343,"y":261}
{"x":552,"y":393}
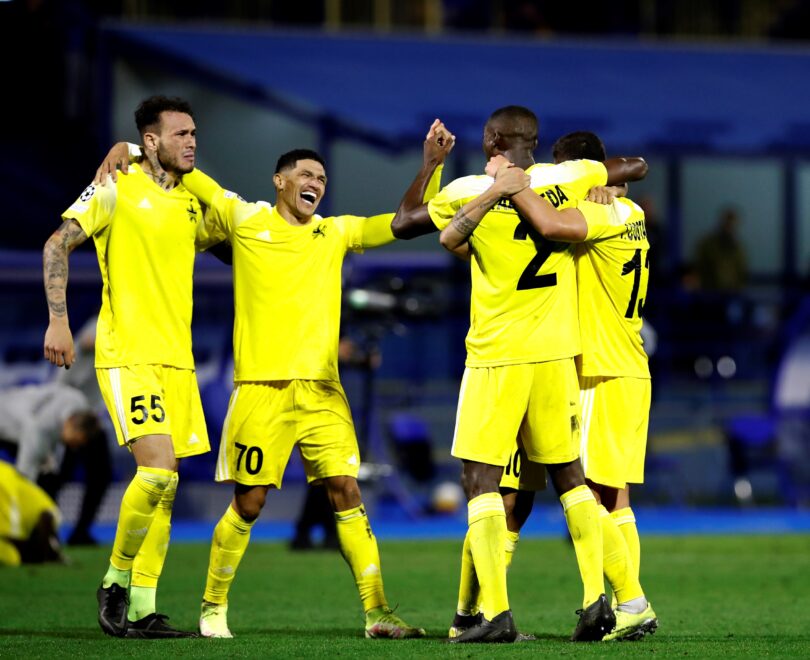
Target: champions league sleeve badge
{"x":88,"y":193}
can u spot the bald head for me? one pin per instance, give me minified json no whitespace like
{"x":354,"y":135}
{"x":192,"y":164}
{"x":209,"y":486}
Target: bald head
{"x":510,"y":128}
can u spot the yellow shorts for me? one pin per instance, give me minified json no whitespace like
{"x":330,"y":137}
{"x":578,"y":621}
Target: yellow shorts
{"x":151,"y":399}
{"x":536,"y":403}
{"x":22,"y":503}
{"x":615,"y":416}
{"x":523,"y":474}
{"x":265,"y":420}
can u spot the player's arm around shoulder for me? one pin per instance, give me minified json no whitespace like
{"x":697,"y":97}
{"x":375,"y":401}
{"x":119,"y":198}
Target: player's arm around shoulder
{"x":625,"y":169}
{"x":118,"y":158}
{"x":509,"y":181}
{"x":606,"y":221}
{"x":224,"y":210}
{"x":567,"y":225}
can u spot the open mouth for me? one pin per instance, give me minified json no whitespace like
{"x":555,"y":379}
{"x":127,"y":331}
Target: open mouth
{"x":309,"y":197}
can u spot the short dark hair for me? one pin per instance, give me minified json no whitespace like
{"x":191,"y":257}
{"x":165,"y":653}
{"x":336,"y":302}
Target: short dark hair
{"x":522,"y":121}
{"x":578,"y":145}
{"x":148,"y":113}
{"x":288,"y":160}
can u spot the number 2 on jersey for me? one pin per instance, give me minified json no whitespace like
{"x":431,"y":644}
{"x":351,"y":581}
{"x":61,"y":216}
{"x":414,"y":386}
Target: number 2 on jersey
{"x":529,"y":279}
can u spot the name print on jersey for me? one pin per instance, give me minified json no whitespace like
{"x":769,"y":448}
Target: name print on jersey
{"x":636,"y":231}
{"x":554,"y":195}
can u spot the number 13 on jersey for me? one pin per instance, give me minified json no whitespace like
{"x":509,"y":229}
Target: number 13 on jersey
{"x":637,"y":295}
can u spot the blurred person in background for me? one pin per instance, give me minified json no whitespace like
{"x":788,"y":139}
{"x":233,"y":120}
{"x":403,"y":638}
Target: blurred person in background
{"x":53,"y":430}
{"x":29,"y":521}
{"x":96,"y":455}
{"x":720,"y":274}
{"x":82,"y":373}
{"x":720,"y":259}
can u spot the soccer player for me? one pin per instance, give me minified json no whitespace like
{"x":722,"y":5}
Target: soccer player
{"x":145,"y":228}
{"x":29,"y":521}
{"x":287,"y":290}
{"x":614,"y":377}
{"x":520,"y":376}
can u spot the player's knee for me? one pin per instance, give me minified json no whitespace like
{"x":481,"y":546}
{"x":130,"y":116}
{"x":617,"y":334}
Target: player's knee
{"x":566,"y":476}
{"x":343,"y":492}
{"x":480,"y":478}
{"x":509,"y":496}
{"x":248,"y":503}
{"x":154,"y":451}
{"x":614,"y":499}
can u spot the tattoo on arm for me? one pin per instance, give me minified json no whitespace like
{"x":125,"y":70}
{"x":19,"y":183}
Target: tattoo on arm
{"x":463,"y":224}
{"x":55,"y":264}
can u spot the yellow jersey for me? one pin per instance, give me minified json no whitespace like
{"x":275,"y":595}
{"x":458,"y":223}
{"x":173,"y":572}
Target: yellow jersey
{"x":287,"y":282}
{"x":523,"y":307}
{"x":613,"y":268}
{"x":145,"y":239}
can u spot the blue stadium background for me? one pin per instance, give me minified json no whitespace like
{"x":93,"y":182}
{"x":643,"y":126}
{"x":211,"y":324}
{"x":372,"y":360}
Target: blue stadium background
{"x":709,"y":93}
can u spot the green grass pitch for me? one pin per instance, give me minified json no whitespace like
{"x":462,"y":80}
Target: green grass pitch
{"x":733,"y":596}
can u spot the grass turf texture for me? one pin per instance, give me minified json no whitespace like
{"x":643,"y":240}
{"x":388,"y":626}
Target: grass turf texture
{"x":731,"y":596}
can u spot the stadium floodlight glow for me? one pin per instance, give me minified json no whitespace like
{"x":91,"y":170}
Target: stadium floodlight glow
{"x":726,"y":367}
{"x":703,"y":367}
{"x":743,"y":489}
{"x":371,"y":300}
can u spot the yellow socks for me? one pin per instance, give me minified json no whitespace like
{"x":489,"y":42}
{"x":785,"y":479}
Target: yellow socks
{"x":626,"y":521}
{"x":579,"y":506}
{"x":617,"y":563}
{"x":137,"y":513}
{"x":469,"y":591}
{"x":512,"y":539}
{"x":231,"y":537}
{"x":359,"y":548}
{"x":486,"y":519}
{"x":468,"y":588}
{"x":148,"y":563}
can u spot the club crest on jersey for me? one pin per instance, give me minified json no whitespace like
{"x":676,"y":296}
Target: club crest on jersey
{"x":192,"y":212}
{"x":88,"y":193}
{"x":318,"y":231}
